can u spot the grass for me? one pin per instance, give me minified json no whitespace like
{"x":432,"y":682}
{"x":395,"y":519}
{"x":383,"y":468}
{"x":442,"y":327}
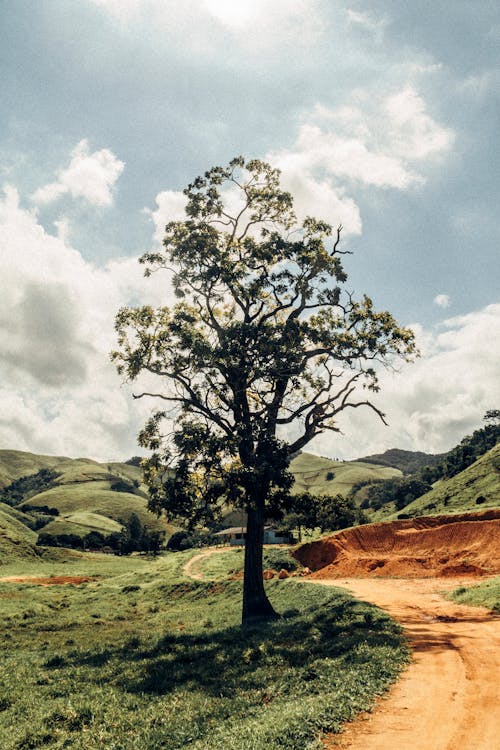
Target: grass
{"x":143,"y":658}
{"x":90,"y":505}
{"x":16,"y":539}
{"x":459,"y":494}
{"x":311,"y":473}
{"x":215,"y":567}
{"x":486,"y":594}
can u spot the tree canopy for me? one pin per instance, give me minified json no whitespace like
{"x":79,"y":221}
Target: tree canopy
{"x":263,"y":350}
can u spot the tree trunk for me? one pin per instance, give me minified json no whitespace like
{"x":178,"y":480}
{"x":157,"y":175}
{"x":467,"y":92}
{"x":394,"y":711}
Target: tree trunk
{"x":256,"y":605}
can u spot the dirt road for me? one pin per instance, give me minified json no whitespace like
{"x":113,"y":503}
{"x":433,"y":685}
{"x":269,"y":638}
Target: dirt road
{"x":191,"y":568}
{"x":448,"y":699}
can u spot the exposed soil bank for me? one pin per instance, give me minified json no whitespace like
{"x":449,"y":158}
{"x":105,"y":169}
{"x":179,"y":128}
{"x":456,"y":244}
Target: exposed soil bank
{"x":426,"y":547}
{"x":448,"y":698}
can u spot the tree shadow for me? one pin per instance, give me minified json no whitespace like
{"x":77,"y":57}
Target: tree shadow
{"x":223,"y":661}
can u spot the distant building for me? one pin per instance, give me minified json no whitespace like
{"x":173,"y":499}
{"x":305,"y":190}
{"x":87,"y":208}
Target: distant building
{"x":235,"y":536}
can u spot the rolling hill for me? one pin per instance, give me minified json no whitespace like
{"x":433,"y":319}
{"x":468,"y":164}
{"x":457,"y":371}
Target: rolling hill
{"x":324,"y":476}
{"x":90,"y":496}
{"x":87,"y":495}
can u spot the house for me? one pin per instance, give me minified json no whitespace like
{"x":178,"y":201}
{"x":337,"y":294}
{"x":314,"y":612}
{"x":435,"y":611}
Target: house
{"x":235,"y":536}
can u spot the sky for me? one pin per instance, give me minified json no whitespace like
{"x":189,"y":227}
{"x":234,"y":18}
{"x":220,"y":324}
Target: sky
{"x":382,"y":116}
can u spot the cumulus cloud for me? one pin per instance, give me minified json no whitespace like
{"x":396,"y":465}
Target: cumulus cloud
{"x":60,"y":392}
{"x":384,"y":145}
{"x":90,"y":176}
{"x":170,"y":207}
{"x":442,"y":300}
{"x":432,"y":403}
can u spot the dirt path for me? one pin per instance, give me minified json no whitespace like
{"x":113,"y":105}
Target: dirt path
{"x":448,"y":699}
{"x":191,"y":568}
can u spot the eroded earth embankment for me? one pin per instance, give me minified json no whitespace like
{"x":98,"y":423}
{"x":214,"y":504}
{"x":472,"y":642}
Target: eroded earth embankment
{"x":430,"y":546}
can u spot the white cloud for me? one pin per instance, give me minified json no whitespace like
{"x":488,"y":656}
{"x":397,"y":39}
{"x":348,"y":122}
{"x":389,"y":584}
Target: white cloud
{"x":170,"y":207}
{"x":88,"y":176}
{"x":366,"y":21}
{"x":256,"y":25}
{"x":60,"y":392}
{"x":432,"y":403}
{"x":323,"y":198}
{"x":384,"y":145}
{"x":442,"y":300}
{"x":413,"y":134}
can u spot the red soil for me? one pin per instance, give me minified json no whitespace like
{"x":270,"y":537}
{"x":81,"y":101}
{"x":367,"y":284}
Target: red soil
{"x":425,"y":547}
{"x":50,"y":581}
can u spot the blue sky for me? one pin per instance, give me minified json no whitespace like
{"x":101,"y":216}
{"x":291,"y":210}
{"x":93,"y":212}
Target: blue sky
{"x":381,"y":115}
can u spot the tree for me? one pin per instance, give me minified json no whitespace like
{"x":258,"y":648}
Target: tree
{"x":324,"y":512}
{"x":492,"y":415}
{"x":263,"y":342}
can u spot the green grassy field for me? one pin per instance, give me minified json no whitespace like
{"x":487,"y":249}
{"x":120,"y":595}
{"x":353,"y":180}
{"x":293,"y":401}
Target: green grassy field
{"x":311,"y":473}
{"x":486,"y":594}
{"x":144,"y":658}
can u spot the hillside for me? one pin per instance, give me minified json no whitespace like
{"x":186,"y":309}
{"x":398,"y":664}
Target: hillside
{"x":15,"y":464}
{"x":87,"y":495}
{"x":406,"y":461}
{"x":475,"y":488}
{"x":16,"y":539}
{"x":324,"y":476}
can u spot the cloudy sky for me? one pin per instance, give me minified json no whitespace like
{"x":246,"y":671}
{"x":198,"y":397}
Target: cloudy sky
{"x":381,"y":115}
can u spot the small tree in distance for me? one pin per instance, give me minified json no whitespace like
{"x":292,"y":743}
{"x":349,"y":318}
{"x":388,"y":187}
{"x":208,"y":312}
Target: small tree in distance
{"x":265,"y":342}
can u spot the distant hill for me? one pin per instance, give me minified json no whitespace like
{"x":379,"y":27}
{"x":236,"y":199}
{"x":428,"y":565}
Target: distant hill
{"x":475,"y":488}
{"x":15,"y":464}
{"x":406,"y":461}
{"x":86,"y":495}
{"x":324,"y":476}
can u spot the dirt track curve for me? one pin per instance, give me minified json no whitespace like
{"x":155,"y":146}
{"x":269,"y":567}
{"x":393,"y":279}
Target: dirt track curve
{"x":448,"y":699}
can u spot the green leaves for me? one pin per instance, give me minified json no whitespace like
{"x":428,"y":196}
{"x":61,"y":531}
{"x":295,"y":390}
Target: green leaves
{"x":264,"y":335}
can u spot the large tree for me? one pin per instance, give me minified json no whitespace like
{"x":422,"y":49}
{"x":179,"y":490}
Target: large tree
{"x":263,"y":350}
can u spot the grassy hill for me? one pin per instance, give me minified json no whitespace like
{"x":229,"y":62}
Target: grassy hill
{"x":15,"y":464}
{"x":16,"y":539}
{"x":324,"y":476}
{"x":406,"y":461}
{"x":459,"y":494}
{"x":92,"y":504}
{"x":88,"y":495}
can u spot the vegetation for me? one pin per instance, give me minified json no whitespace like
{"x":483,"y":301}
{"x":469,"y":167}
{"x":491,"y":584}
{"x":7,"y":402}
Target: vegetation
{"x":463,"y":455}
{"x":311,"y":474}
{"x":25,"y":487}
{"x":264,"y":336}
{"x":128,"y":661}
{"x":324,"y":512}
{"x":476,"y":488}
{"x":409,"y":462}
{"x":486,"y":594}
{"x":128,"y":536}
{"x":401,"y":493}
